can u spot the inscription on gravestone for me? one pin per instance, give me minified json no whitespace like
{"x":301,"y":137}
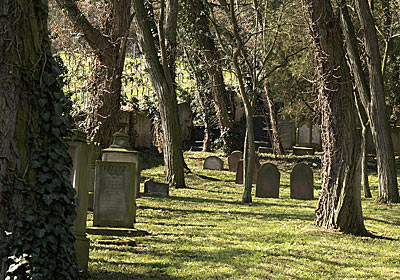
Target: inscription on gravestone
{"x":268,"y":181}
{"x":301,"y":182}
{"x":114,"y":194}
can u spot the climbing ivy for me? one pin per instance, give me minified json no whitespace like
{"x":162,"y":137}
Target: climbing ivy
{"x":39,"y":208}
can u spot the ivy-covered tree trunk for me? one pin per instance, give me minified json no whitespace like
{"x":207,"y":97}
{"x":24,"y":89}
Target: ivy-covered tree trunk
{"x":371,"y":90}
{"x":162,"y":75}
{"x":339,"y":206}
{"x":109,"y":46}
{"x":37,"y":205}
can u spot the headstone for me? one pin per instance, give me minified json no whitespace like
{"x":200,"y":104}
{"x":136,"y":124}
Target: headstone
{"x":233,"y":160}
{"x":304,"y":135}
{"x":185,"y":120}
{"x":213,"y":163}
{"x":287,"y":133}
{"x":151,"y":187}
{"x":239,"y":171}
{"x":80,"y":153}
{"x":95,"y":147}
{"x":301,"y":182}
{"x":121,"y":151}
{"x":302,"y":151}
{"x":268,"y":181}
{"x":114,"y":194}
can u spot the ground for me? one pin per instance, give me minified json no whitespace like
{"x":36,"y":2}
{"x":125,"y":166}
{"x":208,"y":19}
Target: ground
{"x":204,"y":232}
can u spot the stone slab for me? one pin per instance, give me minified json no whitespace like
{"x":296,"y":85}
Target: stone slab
{"x":213,"y":163}
{"x":115,"y":193}
{"x":239,"y":172}
{"x":301,"y":182}
{"x":302,"y":151}
{"x":233,"y":160}
{"x":151,"y":187}
{"x":268,"y":181}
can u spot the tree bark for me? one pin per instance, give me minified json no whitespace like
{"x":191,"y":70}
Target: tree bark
{"x":162,"y":77}
{"x":223,"y":105}
{"x":339,"y":206}
{"x":25,"y":72}
{"x":276,"y":140}
{"x":109,"y":46}
{"x":371,"y":91}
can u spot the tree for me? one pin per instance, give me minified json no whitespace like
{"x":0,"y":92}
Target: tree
{"x":37,"y":205}
{"x":109,"y":46}
{"x":162,"y":74}
{"x":370,"y":87}
{"x":339,"y":206}
{"x":198,"y":34}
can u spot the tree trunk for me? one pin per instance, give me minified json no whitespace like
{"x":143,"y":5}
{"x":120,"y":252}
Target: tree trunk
{"x":109,"y":47}
{"x":162,"y":78}
{"x":32,"y":126}
{"x":276,"y":140}
{"x":372,"y":98}
{"x":387,"y":189}
{"x":339,"y":206}
{"x":364,"y":161}
{"x":223,"y":104}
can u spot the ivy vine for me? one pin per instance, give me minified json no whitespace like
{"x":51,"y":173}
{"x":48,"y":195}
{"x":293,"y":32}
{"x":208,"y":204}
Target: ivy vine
{"x":39,"y":227}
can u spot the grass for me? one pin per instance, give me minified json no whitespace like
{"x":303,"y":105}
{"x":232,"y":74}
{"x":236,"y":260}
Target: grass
{"x":203,"y":232}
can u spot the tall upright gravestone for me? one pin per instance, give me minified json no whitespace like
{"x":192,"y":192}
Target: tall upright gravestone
{"x":268,"y":181}
{"x":233,"y":160}
{"x":80,"y":153}
{"x":301,"y":182}
{"x":114,"y":194}
{"x":239,"y":171}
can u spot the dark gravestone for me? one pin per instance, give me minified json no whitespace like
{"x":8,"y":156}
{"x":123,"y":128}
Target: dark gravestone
{"x":151,"y":187}
{"x":268,"y":181}
{"x":114,"y":194}
{"x":213,"y":163}
{"x":233,"y":160}
{"x":239,"y":171}
{"x":302,"y":182}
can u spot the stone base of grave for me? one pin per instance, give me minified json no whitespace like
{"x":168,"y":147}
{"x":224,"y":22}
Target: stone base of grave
{"x":127,"y":232}
{"x":151,"y":187}
{"x":265,"y":150}
{"x":302,"y":151}
{"x":82,"y":244}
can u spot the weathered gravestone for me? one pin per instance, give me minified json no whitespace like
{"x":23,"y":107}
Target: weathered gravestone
{"x":233,"y":160}
{"x":95,"y":156}
{"x":301,"y":182}
{"x":151,"y":187}
{"x":114,"y":194}
{"x":213,"y":163}
{"x":268,"y":181}
{"x":80,"y":153}
{"x":239,"y":171}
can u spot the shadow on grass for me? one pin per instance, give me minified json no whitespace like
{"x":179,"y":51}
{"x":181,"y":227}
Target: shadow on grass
{"x":280,"y":216}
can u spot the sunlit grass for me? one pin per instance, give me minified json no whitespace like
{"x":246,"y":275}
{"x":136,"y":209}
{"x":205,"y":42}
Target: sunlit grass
{"x":204,"y":232}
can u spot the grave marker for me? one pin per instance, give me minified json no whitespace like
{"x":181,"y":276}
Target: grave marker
{"x":213,"y":163}
{"x":301,"y":182}
{"x":239,"y":172}
{"x":114,"y":195}
{"x":233,"y":160}
{"x":268,"y":181}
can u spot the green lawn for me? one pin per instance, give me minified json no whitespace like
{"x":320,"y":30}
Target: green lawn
{"x":203,"y":232}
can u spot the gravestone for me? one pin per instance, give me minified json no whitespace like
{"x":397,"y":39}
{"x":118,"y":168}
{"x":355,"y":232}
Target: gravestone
{"x":151,"y":187}
{"x":268,"y":181}
{"x":96,"y":150}
{"x":114,"y":194}
{"x":233,"y":160}
{"x":213,"y":163}
{"x":121,"y":151}
{"x":239,"y":171}
{"x":301,"y":182}
{"x":80,"y":153}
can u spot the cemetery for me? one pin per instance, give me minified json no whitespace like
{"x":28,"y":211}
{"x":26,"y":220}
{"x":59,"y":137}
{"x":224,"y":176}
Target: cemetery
{"x":199,"y":139}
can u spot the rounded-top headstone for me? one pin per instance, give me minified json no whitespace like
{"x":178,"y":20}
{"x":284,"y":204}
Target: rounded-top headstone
{"x":233,"y":160}
{"x":268,"y":181}
{"x":213,"y":163}
{"x":302,"y":182}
